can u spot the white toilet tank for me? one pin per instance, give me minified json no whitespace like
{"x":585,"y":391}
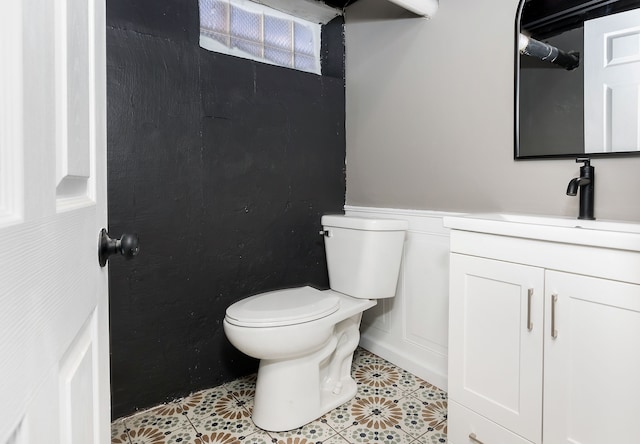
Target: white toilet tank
{"x":364,"y":255}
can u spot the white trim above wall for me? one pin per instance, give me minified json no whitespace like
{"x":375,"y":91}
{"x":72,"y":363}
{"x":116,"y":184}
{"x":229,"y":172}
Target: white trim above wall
{"x":411,"y":330}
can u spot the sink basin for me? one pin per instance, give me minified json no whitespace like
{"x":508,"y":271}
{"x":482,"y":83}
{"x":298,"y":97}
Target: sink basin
{"x":556,"y":221}
{"x":599,"y":233}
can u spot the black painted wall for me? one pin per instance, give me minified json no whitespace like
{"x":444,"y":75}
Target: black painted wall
{"x":223,"y":166}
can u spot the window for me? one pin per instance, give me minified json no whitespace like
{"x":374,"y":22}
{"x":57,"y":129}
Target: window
{"x":250,"y":30}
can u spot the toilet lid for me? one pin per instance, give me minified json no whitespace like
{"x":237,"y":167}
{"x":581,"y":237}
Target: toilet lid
{"x":283,"y":307}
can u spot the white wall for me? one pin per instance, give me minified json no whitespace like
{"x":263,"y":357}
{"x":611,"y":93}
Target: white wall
{"x":430,"y":118}
{"x":411,"y":330}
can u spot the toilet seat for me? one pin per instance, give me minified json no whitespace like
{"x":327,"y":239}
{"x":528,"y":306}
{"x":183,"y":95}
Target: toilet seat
{"x":283,"y":307}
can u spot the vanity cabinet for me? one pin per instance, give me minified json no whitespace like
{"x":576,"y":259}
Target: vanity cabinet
{"x":544,"y":341}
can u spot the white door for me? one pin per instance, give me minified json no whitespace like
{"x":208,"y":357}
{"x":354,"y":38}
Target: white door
{"x":612,"y":83}
{"x":54,"y":361}
{"x":591,"y":367}
{"x":495,"y":342}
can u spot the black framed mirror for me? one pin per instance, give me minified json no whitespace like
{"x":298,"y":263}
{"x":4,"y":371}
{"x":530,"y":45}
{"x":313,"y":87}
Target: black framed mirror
{"x":577,"y":82}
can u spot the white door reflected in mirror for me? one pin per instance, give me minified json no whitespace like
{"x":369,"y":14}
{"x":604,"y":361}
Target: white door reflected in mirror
{"x":612,"y":83}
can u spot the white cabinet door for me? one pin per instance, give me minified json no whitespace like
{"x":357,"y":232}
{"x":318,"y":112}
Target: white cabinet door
{"x":54,"y":366}
{"x":592,"y":366}
{"x":495,"y":347}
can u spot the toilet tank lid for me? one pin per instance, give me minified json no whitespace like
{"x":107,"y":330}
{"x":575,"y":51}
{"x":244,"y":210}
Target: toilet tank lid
{"x":283,"y":307}
{"x":364,"y":223}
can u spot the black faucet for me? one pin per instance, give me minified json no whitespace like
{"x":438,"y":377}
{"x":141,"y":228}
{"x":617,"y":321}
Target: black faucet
{"x":585,"y":183}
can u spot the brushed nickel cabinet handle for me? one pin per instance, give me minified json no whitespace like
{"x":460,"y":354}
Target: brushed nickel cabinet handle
{"x":472,"y":437}
{"x":529,"y":297}
{"x":554,"y":300}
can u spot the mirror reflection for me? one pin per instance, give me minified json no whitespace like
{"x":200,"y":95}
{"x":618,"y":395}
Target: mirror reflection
{"x":578,"y":78}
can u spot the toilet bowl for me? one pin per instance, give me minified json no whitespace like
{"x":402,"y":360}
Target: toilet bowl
{"x":304,"y":337}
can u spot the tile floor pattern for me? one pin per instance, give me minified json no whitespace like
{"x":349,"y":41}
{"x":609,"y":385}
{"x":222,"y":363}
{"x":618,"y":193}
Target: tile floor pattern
{"x":391,"y":406}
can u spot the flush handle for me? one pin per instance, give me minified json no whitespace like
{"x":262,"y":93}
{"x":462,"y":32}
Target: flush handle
{"x":472,"y":437}
{"x":325,"y":233}
{"x":127,"y":246}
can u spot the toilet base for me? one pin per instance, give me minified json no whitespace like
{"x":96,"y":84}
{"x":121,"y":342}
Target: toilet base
{"x":293,"y":392}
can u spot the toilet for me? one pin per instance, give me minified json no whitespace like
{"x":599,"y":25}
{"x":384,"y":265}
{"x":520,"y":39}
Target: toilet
{"x":304,"y":337}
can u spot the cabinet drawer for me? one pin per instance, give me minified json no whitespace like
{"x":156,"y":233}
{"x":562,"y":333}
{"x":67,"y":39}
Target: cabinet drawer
{"x":463,"y":422}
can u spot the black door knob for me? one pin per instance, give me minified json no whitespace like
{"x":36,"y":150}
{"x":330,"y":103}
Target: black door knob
{"x":127,"y":246}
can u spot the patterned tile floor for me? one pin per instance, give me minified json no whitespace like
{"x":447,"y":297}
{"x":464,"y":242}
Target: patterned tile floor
{"x":391,"y":406}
